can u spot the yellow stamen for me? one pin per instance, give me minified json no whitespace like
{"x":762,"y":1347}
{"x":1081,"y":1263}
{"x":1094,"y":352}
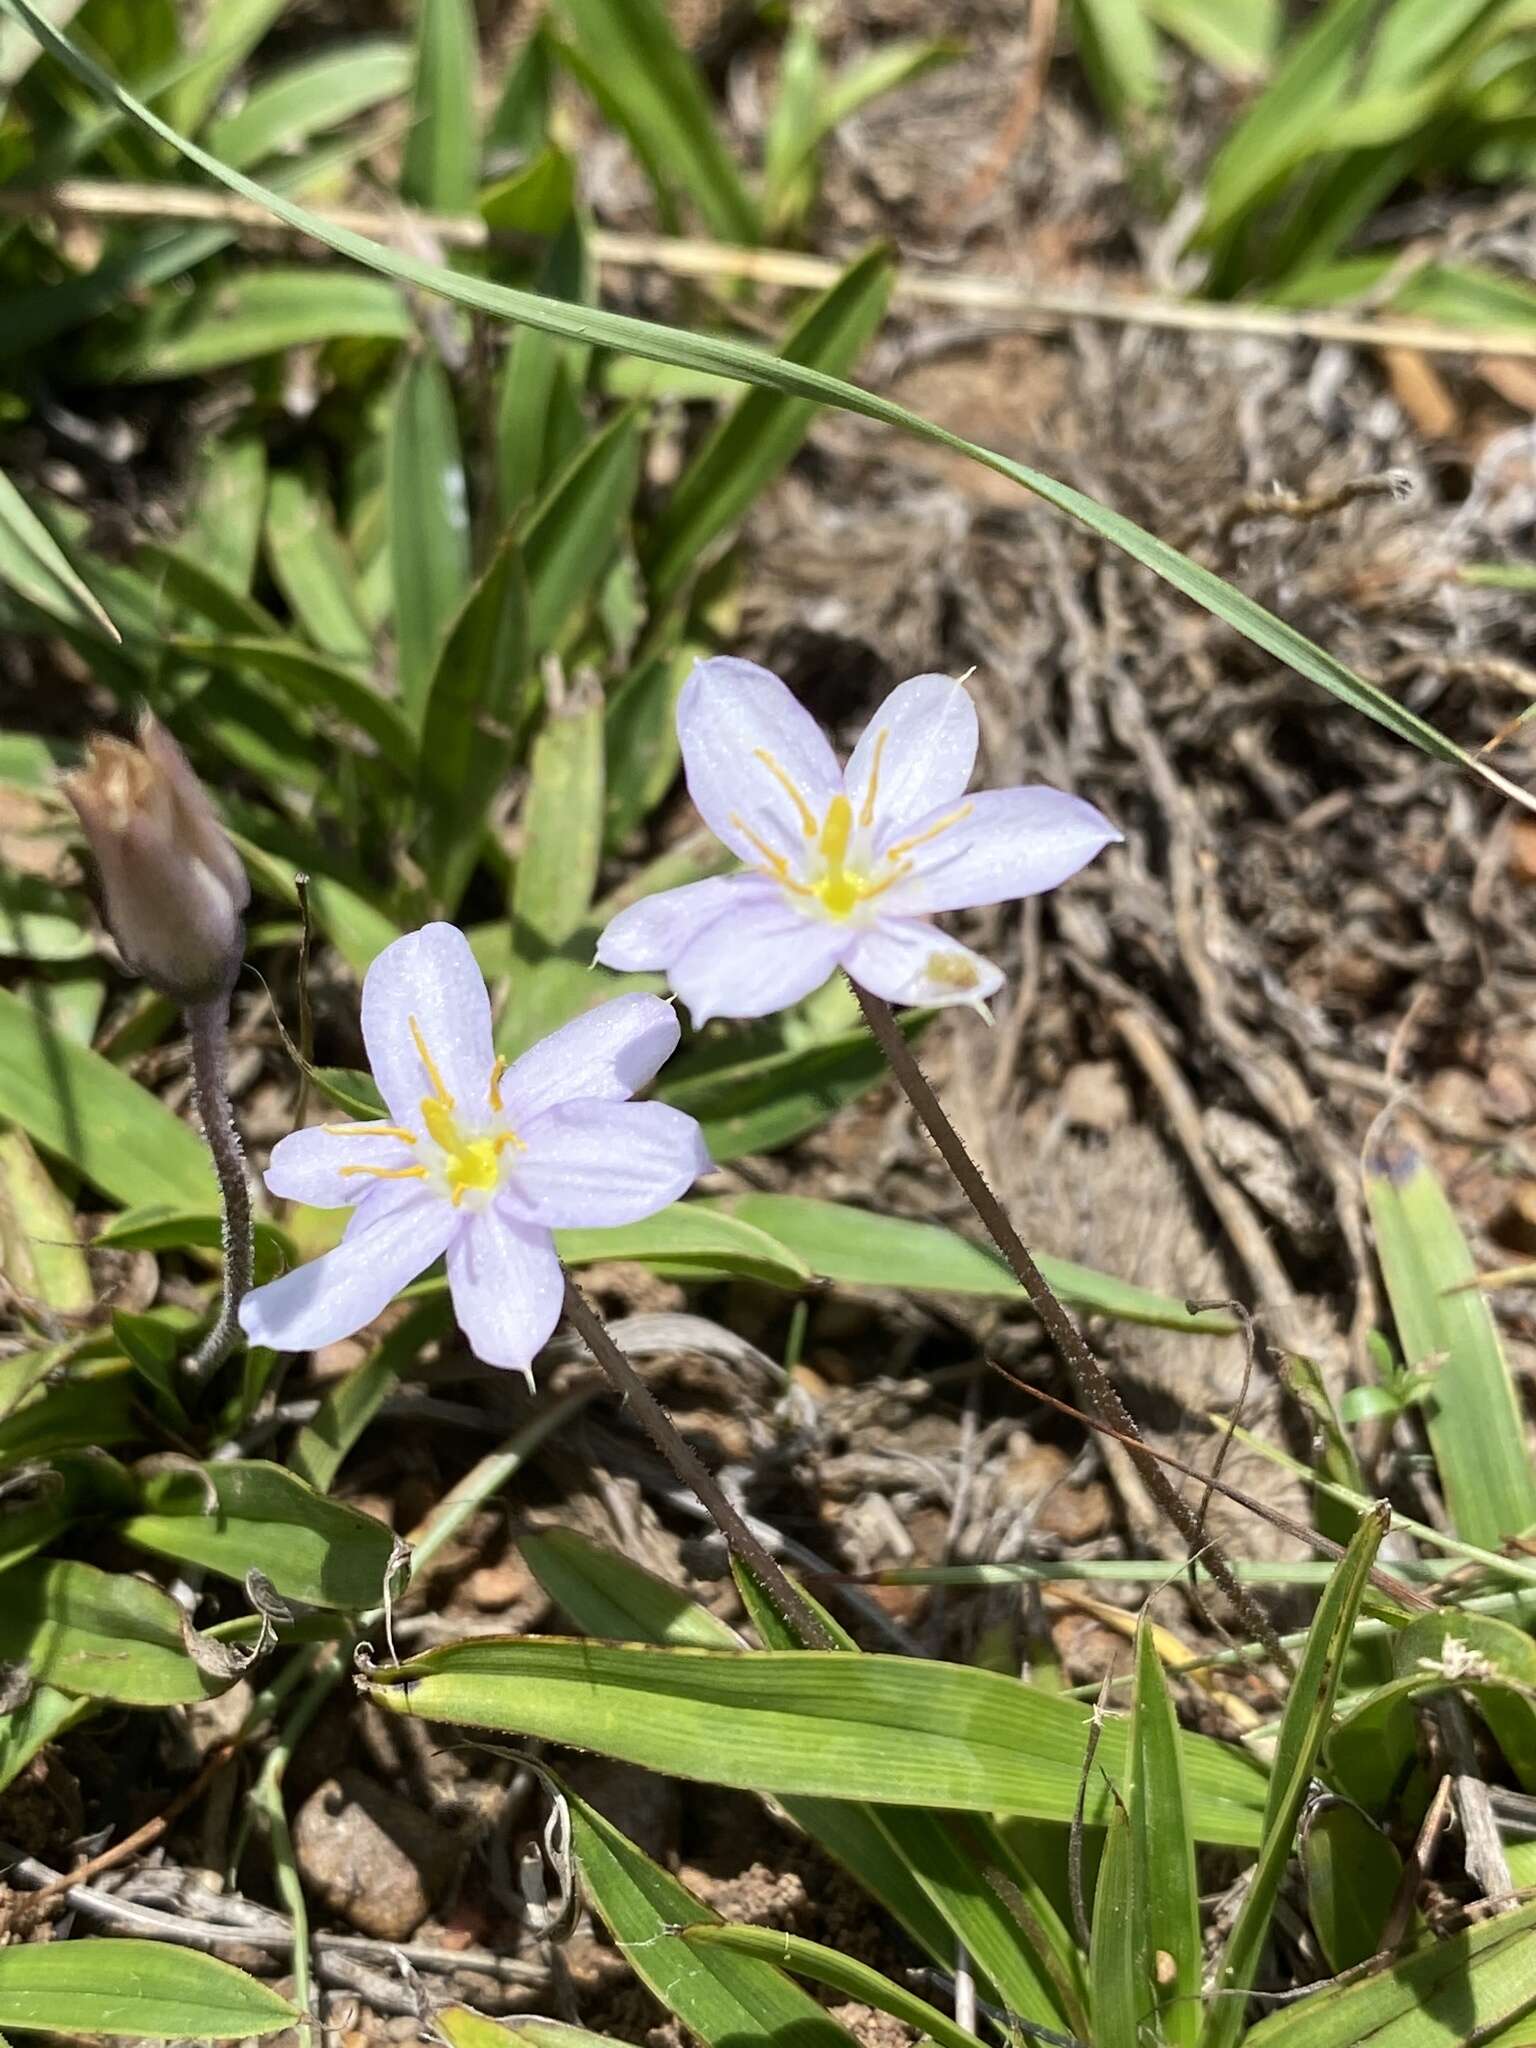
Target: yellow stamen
{"x":439,"y":1086}
{"x":384,"y":1172}
{"x":904,"y":846}
{"x":807,"y":815}
{"x":370,"y":1130}
{"x":496,"y":1073}
{"x":867,"y":808}
{"x":778,"y":865}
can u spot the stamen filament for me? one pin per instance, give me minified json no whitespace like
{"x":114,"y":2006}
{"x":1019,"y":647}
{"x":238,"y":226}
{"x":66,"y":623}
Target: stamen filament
{"x":439,"y":1086}
{"x":904,"y":846}
{"x":384,"y":1172}
{"x":778,"y":865}
{"x":807,"y":815}
{"x":370,"y":1130}
{"x":867,"y":808}
{"x":495,"y":1092}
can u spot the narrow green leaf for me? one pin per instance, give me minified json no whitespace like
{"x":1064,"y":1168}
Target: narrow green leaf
{"x":794,"y":126}
{"x":42,"y":1716}
{"x":527,"y":438}
{"x":652,"y":88}
{"x":80,"y":1108}
{"x":40,"y":1253}
{"x":1120,"y":53}
{"x":225,"y":523}
{"x":290,"y":106}
{"x":229,"y":33}
{"x":311,"y":566}
{"x":765,"y":1100}
{"x":890,"y":1730}
{"x":690,"y":1240}
{"x":428,"y":524}
{"x":144,"y":1988}
{"x":562,"y":821}
{"x":230,"y":1516}
{"x":830,"y":1967}
{"x":442,"y":151}
{"x":1165,"y":1850}
{"x":1303,"y":1731}
{"x":758,"y":438}
{"x":40,"y":922}
{"x":609,"y":1595}
{"x":351,"y":1404}
{"x":1122,"y":1990}
{"x":1461,"y":1988}
{"x":1240,"y":42}
{"x":1473,"y":1415}
{"x":318,"y":683}
{"x":640,"y":744}
{"x":751,"y":365}
{"x":863,"y":1249}
{"x":723,"y":1999}
{"x":1352,"y":1873}
{"x":249,"y":314}
{"x":101,"y":1634}
{"x":461,"y":2028}
{"x":572,"y":533}
{"x":32,"y":562}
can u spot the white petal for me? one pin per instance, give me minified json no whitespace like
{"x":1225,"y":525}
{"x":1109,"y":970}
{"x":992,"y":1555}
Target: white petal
{"x":307,"y":1166}
{"x":651,"y":933}
{"x":760,"y":770}
{"x":757,"y":960}
{"x":431,"y":976}
{"x":507,"y":1288}
{"x":604,"y":1055}
{"x":924,"y":736}
{"x":907,"y":961}
{"x":591,"y":1165}
{"x":393,"y":1236}
{"x":997,"y":845}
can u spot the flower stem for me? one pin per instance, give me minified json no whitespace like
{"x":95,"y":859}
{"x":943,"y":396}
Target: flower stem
{"x":1069,"y":1341}
{"x":208,"y":1026}
{"x":791,"y":1604}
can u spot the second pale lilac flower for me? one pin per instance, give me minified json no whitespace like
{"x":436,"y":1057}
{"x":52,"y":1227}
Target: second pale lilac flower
{"x":845,"y":867}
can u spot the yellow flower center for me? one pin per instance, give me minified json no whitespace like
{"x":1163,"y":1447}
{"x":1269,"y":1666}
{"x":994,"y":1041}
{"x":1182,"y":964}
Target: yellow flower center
{"x":470,"y":1164}
{"x":834,"y":874}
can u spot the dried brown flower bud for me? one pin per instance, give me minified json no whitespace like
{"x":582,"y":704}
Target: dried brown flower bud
{"x":173,"y":885}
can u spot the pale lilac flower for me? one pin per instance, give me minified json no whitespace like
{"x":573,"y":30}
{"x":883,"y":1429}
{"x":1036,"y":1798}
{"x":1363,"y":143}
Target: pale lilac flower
{"x":480,"y":1160}
{"x":845,"y":866}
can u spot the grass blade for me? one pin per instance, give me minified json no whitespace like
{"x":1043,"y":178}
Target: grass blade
{"x":1165,"y":1848}
{"x":442,"y":151}
{"x":1473,"y":1414}
{"x":747,"y":364}
{"x":428,"y":524}
{"x":143,"y":1988}
{"x":830,"y":1967}
{"x":32,"y":562}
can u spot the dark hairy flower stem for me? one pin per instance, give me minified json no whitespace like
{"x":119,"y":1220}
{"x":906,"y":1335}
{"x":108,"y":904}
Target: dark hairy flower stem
{"x":794,"y":1610}
{"x":208,"y":1027}
{"x":1059,"y":1326}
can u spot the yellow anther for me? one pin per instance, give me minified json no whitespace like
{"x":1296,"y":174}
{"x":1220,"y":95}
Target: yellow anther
{"x":370,"y":1130}
{"x":439,"y":1086}
{"x":495,"y":1090}
{"x":778,"y":866}
{"x":867,"y":808}
{"x":384,"y":1172}
{"x":952,"y":970}
{"x":807,"y":815}
{"x":904,"y":846}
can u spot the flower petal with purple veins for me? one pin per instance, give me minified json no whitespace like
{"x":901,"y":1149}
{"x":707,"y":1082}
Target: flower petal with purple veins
{"x":591,"y":1165}
{"x":907,"y":961}
{"x":992,"y":848}
{"x":918,"y":751}
{"x":394,"y":1236}
{"x":429,"y":976}
{"x":310,"y":1166}
{"x":760,"y":959}
{"x":651,"y":933}
{"x":760,"y":770}
{"x":507,"y":1288}
{"x":605,"y":1055}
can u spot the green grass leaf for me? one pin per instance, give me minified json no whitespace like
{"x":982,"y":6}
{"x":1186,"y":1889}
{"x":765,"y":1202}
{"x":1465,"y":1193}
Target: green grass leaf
{"x":572,"y":532}
{"x":1117,"y":1953}
{"x":82,"y":1109}
{"x":757,"y":1103}
{"x":1164,"y":1848}
{"x":310,"y":565}
{"x":747,"y":364}
{"x":1473,"y":1414}
{"x":144,"y":1988}
{"x":562,"y":828}
{"x":725,"y":2000}
{"x":442,"y":150}
{"x":231,"y":1515}
{"x":864,"y":1249}
{"x":290,"y":106}
{"x":1352,"y":1873}
{"x":42,"y":1717}
{"x":837,"y":1972}
{"x":40,"y":1251}
{"x":317,"y":682}
{"x":239,"y":318}
{"x":428,"y":524}
{"x":33,"y":563}
{"x":1304,"y":1729}
{"x":690,"y":1241}
{"x":647,"y":82}
{"x":890,"y":1730}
